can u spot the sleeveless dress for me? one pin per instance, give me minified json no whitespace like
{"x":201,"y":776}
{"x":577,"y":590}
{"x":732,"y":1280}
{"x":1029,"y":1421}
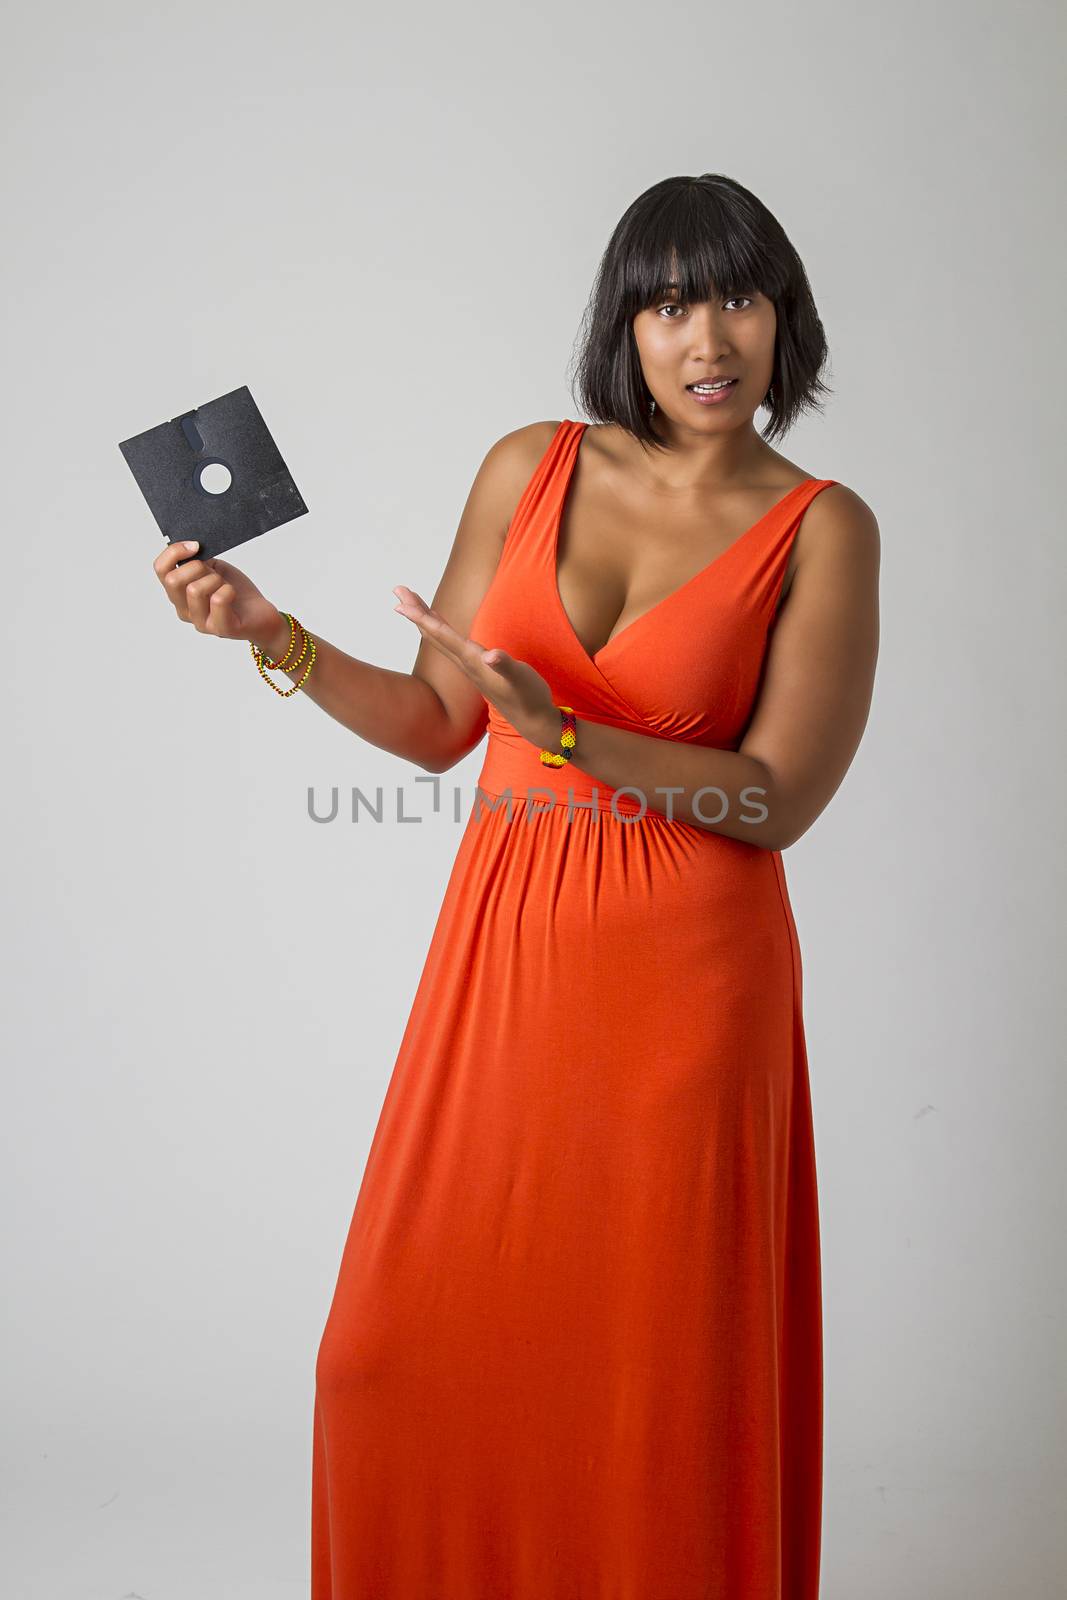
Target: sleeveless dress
{"x":575,"y":1347}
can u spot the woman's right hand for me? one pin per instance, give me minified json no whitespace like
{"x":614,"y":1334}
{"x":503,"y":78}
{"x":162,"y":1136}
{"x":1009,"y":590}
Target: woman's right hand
{"x":216,"y":597}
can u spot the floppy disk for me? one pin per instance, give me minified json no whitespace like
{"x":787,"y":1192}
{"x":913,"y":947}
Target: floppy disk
{"x":214,"y":474}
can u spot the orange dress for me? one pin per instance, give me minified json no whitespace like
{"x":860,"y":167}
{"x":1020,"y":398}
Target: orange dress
{"x":575,"y":1347}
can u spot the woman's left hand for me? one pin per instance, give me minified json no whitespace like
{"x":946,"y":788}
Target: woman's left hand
{"x":519,"y":693}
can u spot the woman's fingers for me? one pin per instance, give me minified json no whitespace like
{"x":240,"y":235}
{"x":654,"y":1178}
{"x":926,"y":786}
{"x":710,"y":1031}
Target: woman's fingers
{"x":222,"y":617}
{"x":176,"y":581}
{"x":170,"y":555}
{"x":214,"y":596}
{"x":411,"y":604}
{"x":190,"y":586}
{"x":199,"y":594}
{"x":431,"y":623}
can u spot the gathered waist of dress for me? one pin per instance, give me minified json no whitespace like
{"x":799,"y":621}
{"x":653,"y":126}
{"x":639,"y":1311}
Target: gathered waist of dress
{"x":513,"y":766}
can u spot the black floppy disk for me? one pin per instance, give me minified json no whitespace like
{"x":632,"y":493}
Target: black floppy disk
{"x":214,"y":474}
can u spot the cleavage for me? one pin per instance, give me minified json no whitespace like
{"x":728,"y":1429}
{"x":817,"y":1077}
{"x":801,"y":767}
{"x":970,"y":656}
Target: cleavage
{"x":598,"y":594}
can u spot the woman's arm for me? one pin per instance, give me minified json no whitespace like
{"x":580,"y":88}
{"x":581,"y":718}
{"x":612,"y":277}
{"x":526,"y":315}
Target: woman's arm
{"x":432,"y":715}
{"x":813,"y":705}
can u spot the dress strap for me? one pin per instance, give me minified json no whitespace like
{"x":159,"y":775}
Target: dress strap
{"x":767,"y":572}
{"x":546,"y":481}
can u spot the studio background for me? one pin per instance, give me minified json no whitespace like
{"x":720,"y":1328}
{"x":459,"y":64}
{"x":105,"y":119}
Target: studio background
{"x":388,"y":225}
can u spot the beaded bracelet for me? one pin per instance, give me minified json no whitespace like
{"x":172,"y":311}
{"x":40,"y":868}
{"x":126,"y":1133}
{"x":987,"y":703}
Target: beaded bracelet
{"x":263,"y":661}
{"x":567,"y":740}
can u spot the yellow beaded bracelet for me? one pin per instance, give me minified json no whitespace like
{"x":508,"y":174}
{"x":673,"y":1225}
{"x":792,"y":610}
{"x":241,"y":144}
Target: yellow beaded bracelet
{"x":567,"y":740}
{"x":292,"y":635}
{"x":263,"y":661}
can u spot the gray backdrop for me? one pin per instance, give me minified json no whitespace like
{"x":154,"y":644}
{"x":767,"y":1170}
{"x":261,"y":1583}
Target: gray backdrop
{"x":388,"y":228}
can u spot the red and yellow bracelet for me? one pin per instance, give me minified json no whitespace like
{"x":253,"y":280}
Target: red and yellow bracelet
{"x":263,"y":661}
{"x":567,"y":740}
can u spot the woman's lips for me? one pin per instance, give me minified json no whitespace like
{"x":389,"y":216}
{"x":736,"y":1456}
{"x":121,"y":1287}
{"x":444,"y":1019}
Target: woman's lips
{"x":716,"y":397}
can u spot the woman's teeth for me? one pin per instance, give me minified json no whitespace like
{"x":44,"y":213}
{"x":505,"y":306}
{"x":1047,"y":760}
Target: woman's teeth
{"x":712,"y":393}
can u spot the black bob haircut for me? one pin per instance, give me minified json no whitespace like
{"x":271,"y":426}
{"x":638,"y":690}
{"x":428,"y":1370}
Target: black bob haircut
{"x":709,"y":234}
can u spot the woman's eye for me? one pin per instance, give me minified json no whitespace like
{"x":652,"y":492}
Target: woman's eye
{"x":674,"y":305}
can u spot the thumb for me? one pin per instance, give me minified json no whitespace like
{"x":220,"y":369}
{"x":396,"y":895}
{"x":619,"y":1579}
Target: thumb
{"x":498,"y":659}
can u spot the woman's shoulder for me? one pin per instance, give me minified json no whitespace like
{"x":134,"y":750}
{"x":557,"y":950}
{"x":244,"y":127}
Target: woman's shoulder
{"x":839,"y":524}
{"x":514,"y":457}
{"x":516,"y":454}
{"x":837,"y":503}
{"x":528,"y":437}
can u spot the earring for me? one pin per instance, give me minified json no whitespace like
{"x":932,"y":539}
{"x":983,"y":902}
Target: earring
{"x":652,"y":408}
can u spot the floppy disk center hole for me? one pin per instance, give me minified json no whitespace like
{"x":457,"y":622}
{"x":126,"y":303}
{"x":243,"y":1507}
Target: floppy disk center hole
{"x":214,"y":477}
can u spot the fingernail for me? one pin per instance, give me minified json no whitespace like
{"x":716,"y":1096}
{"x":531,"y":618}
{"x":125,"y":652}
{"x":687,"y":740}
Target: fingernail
{"x":192,"y":544}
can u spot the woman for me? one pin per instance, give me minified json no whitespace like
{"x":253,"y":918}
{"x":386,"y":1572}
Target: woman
{"x":574,"y":1348}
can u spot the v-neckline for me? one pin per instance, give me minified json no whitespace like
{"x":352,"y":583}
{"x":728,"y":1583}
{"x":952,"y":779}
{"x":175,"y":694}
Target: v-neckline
{"x":593,"y":657}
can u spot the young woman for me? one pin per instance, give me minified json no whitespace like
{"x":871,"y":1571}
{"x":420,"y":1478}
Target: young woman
{"x":574,"y":1351}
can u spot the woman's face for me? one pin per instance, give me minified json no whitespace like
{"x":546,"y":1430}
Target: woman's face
{"x":681,"y":343}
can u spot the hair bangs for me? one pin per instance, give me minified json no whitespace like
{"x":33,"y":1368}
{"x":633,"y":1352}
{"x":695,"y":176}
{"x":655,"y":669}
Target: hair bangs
{"x":694,"y":252}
